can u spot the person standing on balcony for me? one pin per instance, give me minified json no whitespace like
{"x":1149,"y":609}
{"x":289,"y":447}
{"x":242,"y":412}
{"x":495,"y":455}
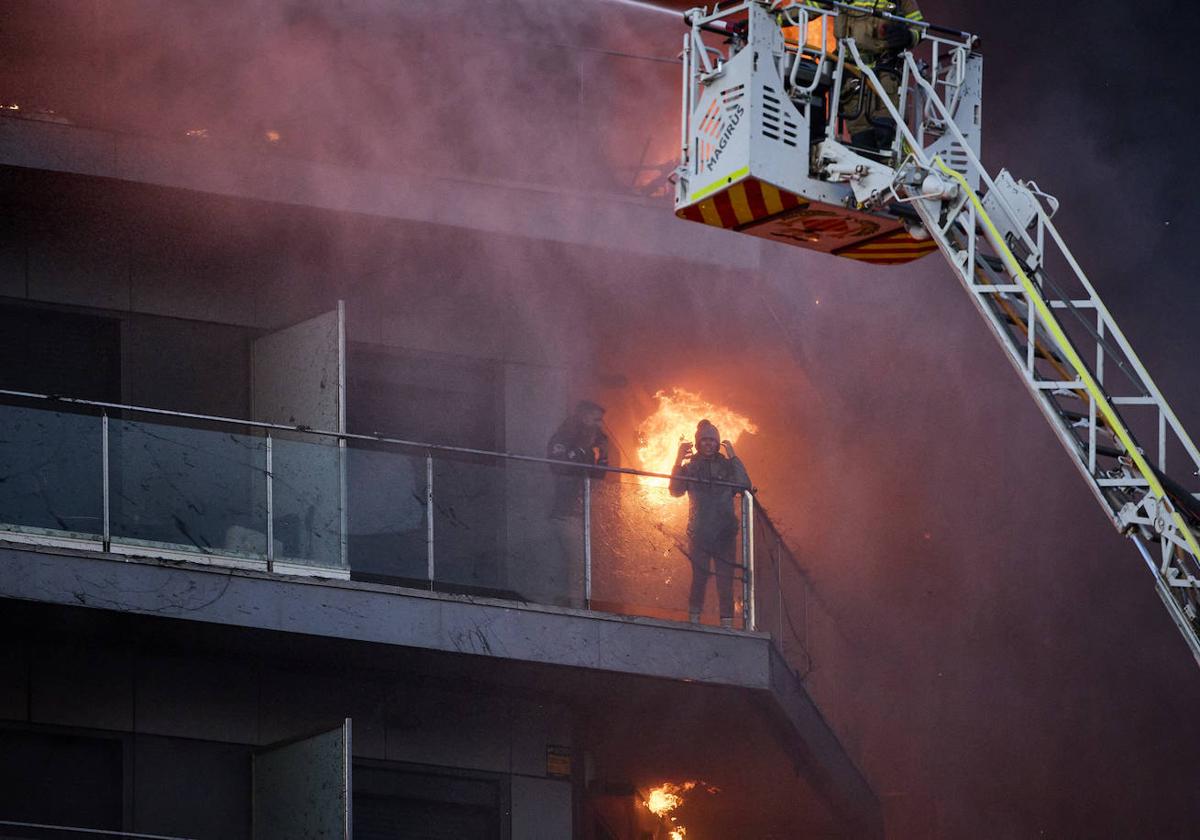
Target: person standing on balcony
{"x":712,"y":524}
{"x":579,"y":442}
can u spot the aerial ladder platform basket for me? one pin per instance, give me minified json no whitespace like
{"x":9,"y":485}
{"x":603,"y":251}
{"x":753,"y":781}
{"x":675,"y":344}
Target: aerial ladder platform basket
{"x":764,"y":151}
{"x":755,"y":113}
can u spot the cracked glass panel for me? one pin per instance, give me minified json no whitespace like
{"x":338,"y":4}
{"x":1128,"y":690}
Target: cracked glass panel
{"x":50,"y":472}
{"x":386,"y":514}
{"x":778,"y":571}
{"x":193,"y":488}
{"x":469,"y":524}
{"x":306,"y":481}
{"x":642,"y":554}
{"x":544,"y":517}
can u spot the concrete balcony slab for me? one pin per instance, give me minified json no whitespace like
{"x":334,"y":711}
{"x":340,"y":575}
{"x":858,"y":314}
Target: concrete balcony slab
{"x":554,"y":642}
{"x":632,"y":224}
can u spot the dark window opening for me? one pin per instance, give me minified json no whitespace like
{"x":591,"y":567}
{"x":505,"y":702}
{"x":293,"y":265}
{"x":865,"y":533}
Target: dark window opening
{"x":410,"y":805}
{"x":51,"y":352}
{"x":424,"y":397}
{"x":438,"y":399}
{"x":66,"y":780}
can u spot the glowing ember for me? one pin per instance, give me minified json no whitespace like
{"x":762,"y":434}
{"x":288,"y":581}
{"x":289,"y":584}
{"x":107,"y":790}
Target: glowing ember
{"x":197,"y":132}
{"x":675,"y":421}
{"x":271,"y":136}
{"x":678,"y":833}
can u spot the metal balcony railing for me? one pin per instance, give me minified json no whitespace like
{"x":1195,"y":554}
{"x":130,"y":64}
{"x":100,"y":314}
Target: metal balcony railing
{"x":15,"y":830}
{"x":140,"y":481}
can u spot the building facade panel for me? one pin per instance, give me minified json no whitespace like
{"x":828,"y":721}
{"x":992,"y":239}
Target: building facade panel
{"x":182,"y":593}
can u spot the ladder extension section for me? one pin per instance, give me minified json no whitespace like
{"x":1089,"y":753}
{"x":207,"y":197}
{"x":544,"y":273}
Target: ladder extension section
{"x":1061,"y":339}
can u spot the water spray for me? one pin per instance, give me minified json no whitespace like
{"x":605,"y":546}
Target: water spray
{"x":648,"y":7}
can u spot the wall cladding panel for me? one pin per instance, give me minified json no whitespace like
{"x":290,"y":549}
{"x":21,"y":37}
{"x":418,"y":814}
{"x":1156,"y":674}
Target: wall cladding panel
{"x":14,"y":258}
{"x":541,"y":809}
{"x":82,"y":686}
{"x":188,"y":788}
{"x":197,"y":698}
{"x":172,"y":275}
{"x":427,"y":725}
{"x":79,"y":262}
{"x":14,"y":687}
{"x":295,"y":703}
{"x":186,"y":366}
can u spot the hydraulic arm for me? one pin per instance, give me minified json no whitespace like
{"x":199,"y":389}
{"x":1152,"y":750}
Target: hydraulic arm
{"x":764,"y":152}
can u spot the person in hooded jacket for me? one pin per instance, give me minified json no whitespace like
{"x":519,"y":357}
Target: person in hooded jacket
{"x":712,"y":524}
{"x":579,"y":442}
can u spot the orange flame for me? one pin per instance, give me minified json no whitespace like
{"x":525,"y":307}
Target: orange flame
{"x":660,"y":434}
{"x":665,"y":798}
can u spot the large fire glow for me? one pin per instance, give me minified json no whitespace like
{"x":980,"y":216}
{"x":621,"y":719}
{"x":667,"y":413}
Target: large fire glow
{"x":660,"y":434}
{"x":665,"y":798}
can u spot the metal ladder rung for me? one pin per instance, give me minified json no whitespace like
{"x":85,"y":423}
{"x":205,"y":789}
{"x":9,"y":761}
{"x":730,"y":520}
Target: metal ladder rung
{"x":1109,"y":451}
{"x":1122,"y":482}
{"x":1021,"y":342}
{"x":1009,"y":319}
{"x":1020,"y":349}
{"x":1075,"y":416}
{"x":1050,"y":385}
{"x":1072,"y":304}
{"x":994,"y":263}
{"x":1102,"y":450}
{"x":1011,"y":289}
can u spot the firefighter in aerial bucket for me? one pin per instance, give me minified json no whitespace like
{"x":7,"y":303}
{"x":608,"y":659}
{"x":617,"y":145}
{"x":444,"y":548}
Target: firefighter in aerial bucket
{"x":880,"y":42}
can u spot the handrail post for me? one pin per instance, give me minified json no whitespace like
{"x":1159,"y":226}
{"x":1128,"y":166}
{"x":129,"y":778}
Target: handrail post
{"x":835,"y":98}
{"x":685,"y":117}
{"x":105,"y":476}
{"x":779,"y":596}
{"x":748,"y":582}
{"x":429,"y":518}
{"x":587,"y":542}
{"x":343,"y":504}
{"x":270,"y":504}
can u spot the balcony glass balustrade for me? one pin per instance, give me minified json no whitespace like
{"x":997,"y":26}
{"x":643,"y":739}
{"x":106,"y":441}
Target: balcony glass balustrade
{"x":195,"y":487}
{"x":51,"y":473}
{"x":143,"y":481}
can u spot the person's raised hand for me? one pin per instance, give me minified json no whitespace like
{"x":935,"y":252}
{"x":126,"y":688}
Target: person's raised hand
{"x":728,"y":448}
{"x":685,"y":449}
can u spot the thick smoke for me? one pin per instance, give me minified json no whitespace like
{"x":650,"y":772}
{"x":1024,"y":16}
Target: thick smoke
{"x":989,"y":650}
